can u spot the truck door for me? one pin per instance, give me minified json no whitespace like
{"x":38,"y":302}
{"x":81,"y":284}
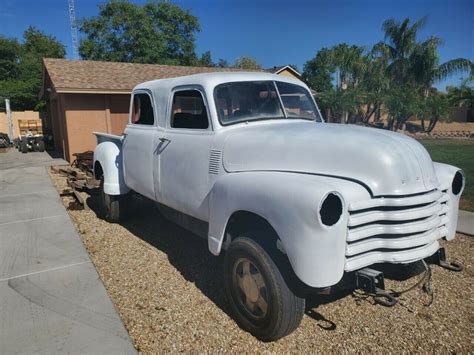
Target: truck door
{"x":184,"y":153}
{"x":139,"y":144}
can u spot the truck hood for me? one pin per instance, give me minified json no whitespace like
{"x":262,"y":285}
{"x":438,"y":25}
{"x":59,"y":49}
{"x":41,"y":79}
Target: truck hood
{"x":385,"y":162}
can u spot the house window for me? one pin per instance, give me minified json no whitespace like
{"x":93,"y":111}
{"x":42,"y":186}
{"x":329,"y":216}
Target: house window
{"x":189,"y":110}
{"x":142,"y":110}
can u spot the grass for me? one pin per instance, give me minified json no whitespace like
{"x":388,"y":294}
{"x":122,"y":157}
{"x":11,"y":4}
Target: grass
{"x":459,"y":153}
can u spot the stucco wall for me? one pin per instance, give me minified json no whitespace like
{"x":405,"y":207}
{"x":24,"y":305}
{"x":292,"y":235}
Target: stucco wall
{"x":16,"y":115}
{"x":87,"y":113}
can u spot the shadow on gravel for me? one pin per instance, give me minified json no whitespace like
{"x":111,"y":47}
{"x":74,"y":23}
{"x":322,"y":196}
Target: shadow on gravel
{"x":189,"y":254}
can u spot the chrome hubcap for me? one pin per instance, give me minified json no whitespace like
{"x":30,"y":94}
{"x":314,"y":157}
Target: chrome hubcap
{"x":251,"y":288}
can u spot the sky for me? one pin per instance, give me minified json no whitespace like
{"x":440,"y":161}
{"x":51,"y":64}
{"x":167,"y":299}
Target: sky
{"x":275,"y":32}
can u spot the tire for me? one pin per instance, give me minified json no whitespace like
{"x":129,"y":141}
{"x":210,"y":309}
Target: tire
{"x":40,"y":146}
{"x":24,"y":146}
{"x":259,"y":298}
{"x":114,"y":206}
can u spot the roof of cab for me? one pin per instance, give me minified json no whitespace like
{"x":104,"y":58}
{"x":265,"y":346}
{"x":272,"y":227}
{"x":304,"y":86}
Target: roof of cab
{"x":210,"y":80}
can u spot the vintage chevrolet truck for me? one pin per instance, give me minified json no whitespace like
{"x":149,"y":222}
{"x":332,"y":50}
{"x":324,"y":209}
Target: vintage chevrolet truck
{"x":246,"y":161}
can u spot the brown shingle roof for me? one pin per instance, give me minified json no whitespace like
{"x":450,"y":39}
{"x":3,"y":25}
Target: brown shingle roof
{"x":95,"y":76}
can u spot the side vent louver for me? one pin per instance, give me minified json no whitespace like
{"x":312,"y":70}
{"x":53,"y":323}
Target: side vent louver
{"x":214,"y":161}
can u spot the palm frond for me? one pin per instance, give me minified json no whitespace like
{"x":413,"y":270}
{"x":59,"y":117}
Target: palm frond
{"x":452,"y":67}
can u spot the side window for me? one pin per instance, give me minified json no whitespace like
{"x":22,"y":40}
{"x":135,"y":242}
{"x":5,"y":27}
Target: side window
{"x":189,"y":110}
{"x":142,"y":110}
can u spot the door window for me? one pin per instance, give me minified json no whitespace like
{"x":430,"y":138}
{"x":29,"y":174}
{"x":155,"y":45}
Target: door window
{"x":189,"y":110}
{"x":142,"y":110}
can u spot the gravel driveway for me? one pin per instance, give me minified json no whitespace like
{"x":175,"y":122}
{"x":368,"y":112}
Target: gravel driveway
{"x":168,"y":290}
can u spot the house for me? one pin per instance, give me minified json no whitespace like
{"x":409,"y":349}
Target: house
{"x":285,"y":70}
{"x":86,"y":96}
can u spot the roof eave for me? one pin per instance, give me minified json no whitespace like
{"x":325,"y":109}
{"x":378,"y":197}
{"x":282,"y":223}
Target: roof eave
{"x":92,"y":91}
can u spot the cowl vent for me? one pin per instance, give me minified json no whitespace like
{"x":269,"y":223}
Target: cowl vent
{"x":215,"y":161}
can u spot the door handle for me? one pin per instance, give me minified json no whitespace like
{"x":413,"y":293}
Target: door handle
{"x":163,"y":140}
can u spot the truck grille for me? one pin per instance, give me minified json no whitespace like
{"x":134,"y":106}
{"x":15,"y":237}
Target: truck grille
{"x":395,"y":229}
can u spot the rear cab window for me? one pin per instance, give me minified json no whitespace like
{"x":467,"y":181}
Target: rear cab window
{"x":189,"y":110}
{"x":142,"y":110}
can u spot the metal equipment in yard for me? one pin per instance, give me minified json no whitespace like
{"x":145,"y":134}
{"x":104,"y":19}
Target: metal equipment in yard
{"x":31,"y":136}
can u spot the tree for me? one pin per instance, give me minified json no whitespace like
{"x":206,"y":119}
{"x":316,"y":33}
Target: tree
{"x":222,"y":63}
{"x":401,"y":103}
{"x":461,"y":96}
{"x":416,"y":62}
{"x":246,"y":63}
{"x":317,"y":72}
{"x":21,"y":67}
{"x":206,"y":60}
{"x":9,"y":56}
{"x":157,"y":32}
{"x":344,"y":64}
{"x":434,"y":107}
{"x":340,"y":105}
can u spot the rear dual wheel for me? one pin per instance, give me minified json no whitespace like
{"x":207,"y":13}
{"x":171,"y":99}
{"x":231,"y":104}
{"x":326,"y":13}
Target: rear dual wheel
{"x":260,"y":299}
{"x":114,"y":206}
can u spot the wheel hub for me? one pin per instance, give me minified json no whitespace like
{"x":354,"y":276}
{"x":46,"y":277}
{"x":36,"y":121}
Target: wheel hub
{"x":251,"y":288}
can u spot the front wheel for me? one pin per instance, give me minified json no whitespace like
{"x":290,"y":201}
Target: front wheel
{"x":260,"y":299}
{"x":114,"y":206}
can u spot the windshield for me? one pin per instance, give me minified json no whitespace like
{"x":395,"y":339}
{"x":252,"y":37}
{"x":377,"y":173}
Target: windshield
{"x":259,"y":100}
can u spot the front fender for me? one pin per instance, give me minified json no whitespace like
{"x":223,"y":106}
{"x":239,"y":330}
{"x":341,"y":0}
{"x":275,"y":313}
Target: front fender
{"x":109,"y":155}
{"x":290,"y":203}
{"x":445,"y":174}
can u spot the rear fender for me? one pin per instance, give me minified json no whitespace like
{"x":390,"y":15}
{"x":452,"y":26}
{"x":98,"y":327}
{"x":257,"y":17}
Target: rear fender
{"x":109,"y":155}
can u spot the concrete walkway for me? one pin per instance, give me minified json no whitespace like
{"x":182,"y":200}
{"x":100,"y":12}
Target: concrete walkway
{"x":51,"y":297}
{"x":466,"y":222}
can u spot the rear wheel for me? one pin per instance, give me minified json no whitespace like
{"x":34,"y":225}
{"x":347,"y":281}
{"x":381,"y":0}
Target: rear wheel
{"x":114,"y":206}
{"x":260,"y":299}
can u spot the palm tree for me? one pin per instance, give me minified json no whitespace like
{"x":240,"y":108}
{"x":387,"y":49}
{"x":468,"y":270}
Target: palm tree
{"x":416,"y":62}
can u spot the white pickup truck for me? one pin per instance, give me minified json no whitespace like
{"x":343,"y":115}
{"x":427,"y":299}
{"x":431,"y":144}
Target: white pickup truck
{"x":245,"y":160}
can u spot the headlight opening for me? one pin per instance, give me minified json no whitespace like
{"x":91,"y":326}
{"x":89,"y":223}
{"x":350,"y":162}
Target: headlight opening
{"x":330,"y":211}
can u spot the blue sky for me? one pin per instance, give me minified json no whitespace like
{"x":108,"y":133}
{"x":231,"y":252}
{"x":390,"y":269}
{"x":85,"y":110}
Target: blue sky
{"x":275,"y":32}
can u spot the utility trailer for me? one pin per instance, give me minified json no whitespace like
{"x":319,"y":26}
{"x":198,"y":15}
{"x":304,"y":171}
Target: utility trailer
{"x":31,"y":136}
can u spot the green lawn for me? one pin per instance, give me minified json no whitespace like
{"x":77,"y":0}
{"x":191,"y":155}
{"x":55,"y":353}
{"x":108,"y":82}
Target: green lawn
{"x":459,"y":153}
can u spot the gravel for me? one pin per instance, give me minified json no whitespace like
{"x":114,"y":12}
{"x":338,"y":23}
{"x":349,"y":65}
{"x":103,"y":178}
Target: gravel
{"x":168,"y":290}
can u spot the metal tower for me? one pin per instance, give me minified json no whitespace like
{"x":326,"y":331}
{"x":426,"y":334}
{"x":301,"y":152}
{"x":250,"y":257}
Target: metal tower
{"x":72,"y":20}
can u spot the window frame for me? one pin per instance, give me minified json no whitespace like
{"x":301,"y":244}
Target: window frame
{"x":282,"y":106}
{"x":153,"y":107}
{"x":169,"y":113}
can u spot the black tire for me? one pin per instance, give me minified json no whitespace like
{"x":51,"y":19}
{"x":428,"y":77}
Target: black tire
{"x":24,"y":146}
{"x":40,"y":146}
{"x":282,"y":310}
{"x":114,"y":206}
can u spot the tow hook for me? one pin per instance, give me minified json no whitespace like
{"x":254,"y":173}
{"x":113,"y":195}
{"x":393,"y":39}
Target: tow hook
{"x":439,"y":258}
{"x":385,"y":298}
{"x":372,"y":283}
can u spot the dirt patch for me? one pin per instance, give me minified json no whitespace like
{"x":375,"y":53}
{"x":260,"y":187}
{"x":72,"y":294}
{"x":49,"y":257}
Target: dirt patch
{"x":168,"y":290}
